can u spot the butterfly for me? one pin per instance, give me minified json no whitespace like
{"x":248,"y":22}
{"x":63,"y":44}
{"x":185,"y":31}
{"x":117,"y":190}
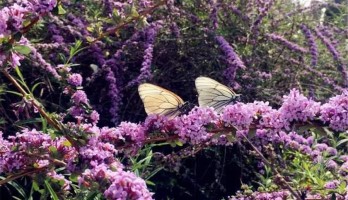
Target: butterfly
{"x":213,"y":94}
{"x":158,"y":100}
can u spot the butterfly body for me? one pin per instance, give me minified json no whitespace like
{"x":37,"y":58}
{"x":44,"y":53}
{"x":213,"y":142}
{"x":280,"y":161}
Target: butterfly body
{"x":213,"y":94}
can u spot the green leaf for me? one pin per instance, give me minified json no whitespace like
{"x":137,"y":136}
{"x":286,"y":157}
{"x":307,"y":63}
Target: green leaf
{"x":93,"y":195}
{"x":179,"y":143}
{"x":28,"y":121}
{"x":15,"y":93}
{"x":150,"y":183}
{"x":17,"y":187}
{"x":22,"y":49}
{"x":67,"y":143}
{"x":61,"y":10}
{"x":35,"y":86}
{"x":52,"y":192}
{"x":19,"y":73}
{"x":53,"y":150}
{"x":36,"y":186}
{"x":74,"y":178}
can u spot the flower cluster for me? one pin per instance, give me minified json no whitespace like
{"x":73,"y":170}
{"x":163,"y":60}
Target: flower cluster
{"x":312,"y":44}
{"x":297,"y":107}
{"x":239,"y":115}
{"x":279,"y":195}
{"x":11,"y":19}
{"x":150,"y":36}
{"x":191,"y":127}
{"x":287,"y":43}
{"x":33,"y":149}
{"x":336,"y":112}
{"x":75,"y":80}
{"x":232,"y":58}
{"x":118,"y":184}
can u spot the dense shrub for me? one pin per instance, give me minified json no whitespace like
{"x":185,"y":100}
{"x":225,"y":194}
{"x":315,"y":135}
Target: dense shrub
{"x":73,"y":125}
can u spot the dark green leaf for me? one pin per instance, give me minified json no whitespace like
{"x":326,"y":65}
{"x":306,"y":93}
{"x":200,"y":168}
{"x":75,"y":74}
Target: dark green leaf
{"x":52,"y":192}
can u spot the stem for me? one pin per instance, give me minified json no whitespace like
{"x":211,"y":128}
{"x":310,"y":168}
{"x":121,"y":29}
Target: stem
{"x":54,"y":123}
{"x":36,"y":104}
{"x":122,"y":25}
{"x":286,"y":184}
{"x":19,"y":175}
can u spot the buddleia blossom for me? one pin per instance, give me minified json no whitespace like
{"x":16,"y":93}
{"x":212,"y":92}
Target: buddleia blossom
{"x":191,"y":127}
{"x":11,"y":19}
{"x":336,"y":55}
{"x":96,"y":151}
{"x":297,"y":107}
{"x":290,"y":45}
{"x":159,"y":123}
{"x":128,"y":135}
{"x":127,"y":186}
{"x":37,"y":60}
{"x":273,"y":119}
{"x":145,"y":70}
{"x":118,"y":184}
{"x":32,"y":149}
{"x":60,"y":179}
{"x":79,"y":97}
{"x":42,"y":6}
{"x":238,"y":12}
{"x":312,"y":44}
{"x":263,"y":9}
{"x":214,"y":14}
{"x":276,"y":195}
{"x":233,"y":60}
{"x":75,"y":79}
{"x":335,"y":112}
{"x":125,"y":133}
{"x":239,"y":115}
{"x":332,"y":184}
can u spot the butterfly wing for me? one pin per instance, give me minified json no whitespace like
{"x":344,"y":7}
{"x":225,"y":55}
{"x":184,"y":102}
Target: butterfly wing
{"x":213,"y":94}
{"x":158,"y":100}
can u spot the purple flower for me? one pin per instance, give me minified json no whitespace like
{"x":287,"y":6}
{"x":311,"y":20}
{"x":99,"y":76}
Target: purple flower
{"x":239,"y":115}
{"x":96,"y":151}
{"x":336,"y":112}
{"x":11,"y":19}
{"x":191,"y":127}
{"x":273,"y":119}
{"x":336,"y":55}
{"x":121,"y":184}
{"x":61,"y":179}
{"x":331,"y":165}
{"x":94,"y":116}
{"x":126,"y":185}
{"x":343,"y":170}
{"x":287,"y":43}
{"x":145,"y":71}
{"x":214,"y":14}
{"x":79,"y":97}
{"x":312,"y":44}
{"x":233,"y":60}
{"x":332,"y":184}
{"x":31,"y":148}
{"x":43,"y":6}
{"x":75,"y":80}
{"x":297,"y":107}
